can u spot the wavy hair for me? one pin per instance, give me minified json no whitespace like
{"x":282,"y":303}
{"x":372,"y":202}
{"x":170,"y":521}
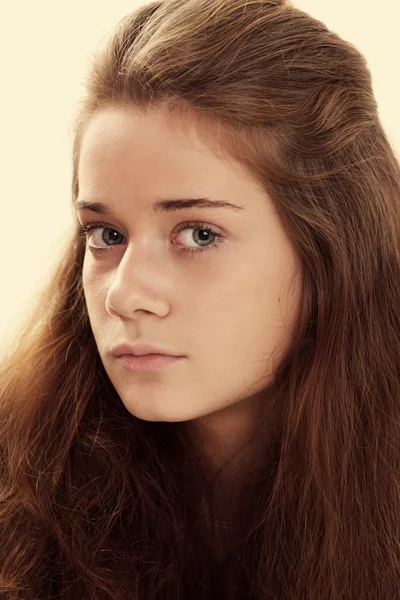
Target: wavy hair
{"x":97,"y":504}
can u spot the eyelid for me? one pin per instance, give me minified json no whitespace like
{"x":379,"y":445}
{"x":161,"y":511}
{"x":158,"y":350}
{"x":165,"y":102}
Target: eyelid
{"x":198,"y":222}
{"x":84,"y":229}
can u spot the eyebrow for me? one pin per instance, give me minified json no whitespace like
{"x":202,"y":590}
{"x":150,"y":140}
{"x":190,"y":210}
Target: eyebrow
{"x":167,"y":206}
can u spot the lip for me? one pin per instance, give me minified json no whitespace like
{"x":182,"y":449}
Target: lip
{"x":140,"y":349}
{"x":151,"y":362}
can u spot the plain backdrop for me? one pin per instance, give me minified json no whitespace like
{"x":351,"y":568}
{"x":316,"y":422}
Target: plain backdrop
{"x":45,"y":47}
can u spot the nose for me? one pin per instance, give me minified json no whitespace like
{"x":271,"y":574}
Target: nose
{"x":138,"y":285}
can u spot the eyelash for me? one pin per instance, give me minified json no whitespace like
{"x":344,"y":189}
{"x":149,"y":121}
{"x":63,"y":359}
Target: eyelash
{"x":82,"y":231}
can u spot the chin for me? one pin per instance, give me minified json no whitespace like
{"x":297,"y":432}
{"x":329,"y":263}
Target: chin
{"x":175,"y":414}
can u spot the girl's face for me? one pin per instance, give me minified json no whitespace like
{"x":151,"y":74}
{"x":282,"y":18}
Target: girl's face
{"x":226,"y":299}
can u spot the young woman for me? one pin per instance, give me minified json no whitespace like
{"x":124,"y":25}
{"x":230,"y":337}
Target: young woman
{"x":237,"y":210}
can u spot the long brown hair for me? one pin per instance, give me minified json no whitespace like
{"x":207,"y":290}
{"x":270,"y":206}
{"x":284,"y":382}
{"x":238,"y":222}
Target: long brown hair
{"x":96,"y":504}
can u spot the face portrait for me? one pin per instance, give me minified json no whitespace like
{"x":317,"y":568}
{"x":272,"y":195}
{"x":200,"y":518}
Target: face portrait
{"x":218,"y":285}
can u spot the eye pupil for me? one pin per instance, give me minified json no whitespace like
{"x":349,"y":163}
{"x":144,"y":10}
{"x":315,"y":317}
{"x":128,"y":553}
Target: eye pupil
{"x":112,"y":235}
{"x":205,"y":233}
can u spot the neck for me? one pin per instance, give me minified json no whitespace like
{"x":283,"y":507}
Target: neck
{"x":233,"y":440}
{"x":233,"y":449}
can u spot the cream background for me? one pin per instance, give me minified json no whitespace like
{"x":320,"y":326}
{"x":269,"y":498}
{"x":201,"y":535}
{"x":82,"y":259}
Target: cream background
{"x":44,"y":51}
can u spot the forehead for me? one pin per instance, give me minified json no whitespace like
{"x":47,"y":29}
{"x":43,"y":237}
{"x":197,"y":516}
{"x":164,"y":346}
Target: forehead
{"x":152,"y":150}
{"x":151,"y":135}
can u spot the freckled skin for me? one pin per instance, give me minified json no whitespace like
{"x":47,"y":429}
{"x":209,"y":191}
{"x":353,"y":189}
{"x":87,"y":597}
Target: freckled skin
{"x":227,"y":309}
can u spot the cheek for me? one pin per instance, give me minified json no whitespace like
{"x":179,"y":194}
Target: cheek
{"x":94,"y":297}
{"x":94,"y":284}
{"x":258,"y":316}
{"x":87,"y":286}
{"x":85,"y":276}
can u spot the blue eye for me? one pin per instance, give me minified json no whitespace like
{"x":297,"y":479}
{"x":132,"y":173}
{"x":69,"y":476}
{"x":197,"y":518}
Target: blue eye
{"x":196,"y":226}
